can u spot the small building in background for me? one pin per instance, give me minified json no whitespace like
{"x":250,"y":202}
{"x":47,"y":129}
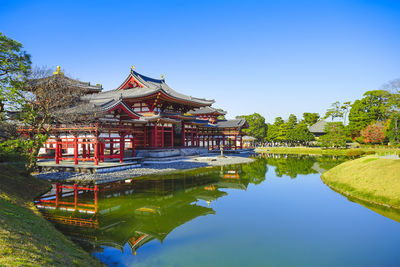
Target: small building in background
{"x":318,"y":128}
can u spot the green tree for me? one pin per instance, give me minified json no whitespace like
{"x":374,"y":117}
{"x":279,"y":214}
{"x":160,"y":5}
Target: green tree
{"x":374,"y":106}
{"x":15,"y":65}
{"x":392,"y":131}
{"x":335,"y":135}
{"x":310,"y":118}
{"x":287,"y":129}
{"x":300,"y":134}
{"x":257,"y":126}
{"x":334,"y":112}
{"x":273,"y":129}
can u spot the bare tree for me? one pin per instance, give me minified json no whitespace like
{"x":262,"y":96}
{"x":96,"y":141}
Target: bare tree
{"x":46,"y":100}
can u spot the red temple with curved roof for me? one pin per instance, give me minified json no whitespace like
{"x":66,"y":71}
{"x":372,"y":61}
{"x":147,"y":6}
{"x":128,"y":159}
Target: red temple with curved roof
{"x":141,"y":113}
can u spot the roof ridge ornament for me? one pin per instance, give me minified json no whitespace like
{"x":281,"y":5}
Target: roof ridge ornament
{"x":162,"y":77}
{"x":58,"y":71}
{"x":133,"y":67}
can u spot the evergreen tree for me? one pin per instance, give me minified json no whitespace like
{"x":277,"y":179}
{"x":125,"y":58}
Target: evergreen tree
{"x":257,"y":126}
{"x":374,"y":106}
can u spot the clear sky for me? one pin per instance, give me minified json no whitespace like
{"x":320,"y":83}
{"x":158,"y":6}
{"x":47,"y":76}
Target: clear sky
{"x":271,"y":57}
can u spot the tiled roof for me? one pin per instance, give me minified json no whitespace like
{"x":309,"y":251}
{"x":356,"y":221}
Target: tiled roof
{"x":318,"y":127}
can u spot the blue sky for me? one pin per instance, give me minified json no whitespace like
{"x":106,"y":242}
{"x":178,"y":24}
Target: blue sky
{"x":270,"y":57}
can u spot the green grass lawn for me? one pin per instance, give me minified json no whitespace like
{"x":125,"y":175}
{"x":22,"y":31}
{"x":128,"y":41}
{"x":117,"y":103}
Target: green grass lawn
{"x":320,"y":151}
{"x":372,"y":179}
{"x":25,"y":237}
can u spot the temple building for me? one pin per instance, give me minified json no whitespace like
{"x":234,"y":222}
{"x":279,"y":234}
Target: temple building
{"x":142,"y":113}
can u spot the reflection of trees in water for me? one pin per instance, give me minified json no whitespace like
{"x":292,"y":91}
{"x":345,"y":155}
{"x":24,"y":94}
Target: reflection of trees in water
{"x":293,"y":165}
{"x":328,"y":162}
{"x":255,"y":171}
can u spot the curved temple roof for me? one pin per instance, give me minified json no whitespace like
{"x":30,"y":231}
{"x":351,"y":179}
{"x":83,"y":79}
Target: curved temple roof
{"x":149,"y":86}
{"x":207,"y":110}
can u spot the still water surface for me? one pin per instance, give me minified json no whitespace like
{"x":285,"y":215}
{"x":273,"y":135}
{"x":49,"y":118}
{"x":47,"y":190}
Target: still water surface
{"x":275,"y":211}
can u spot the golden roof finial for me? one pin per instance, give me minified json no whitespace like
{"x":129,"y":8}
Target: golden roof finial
{"x":133,"y":67}
{"x":162,"y":77}
{"x":58,"y":71}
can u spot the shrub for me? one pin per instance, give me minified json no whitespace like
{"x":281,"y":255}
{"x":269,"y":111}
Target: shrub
{"x":353,"y":153}
{"x":13,"y":150}
{"x":371,"y":152}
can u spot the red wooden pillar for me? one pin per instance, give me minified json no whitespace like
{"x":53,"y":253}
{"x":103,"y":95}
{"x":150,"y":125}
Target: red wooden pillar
{"x":162,"y":135}
{"x":121,"y":148}
{"x":57,"y":152}
{"x":223,"y":141}
{"x":191,"y":137}
{"x":96,"y":151}
{"x":235,"y":141}
{"x":197,"y":137}
{"x":84,"y":148}
{"x":241,"y":142}
{"x":102,"y":146}
{"x":172,"y":135}
{"x":145,"y":136}
{"x":183,"y":135}
{"x":208,"y":141}
{"x":88,"y":149}
{"x":155,"y":136}
{"x":75,"y":150}
{"x":111,"y":146}
{"x":133,"y":145}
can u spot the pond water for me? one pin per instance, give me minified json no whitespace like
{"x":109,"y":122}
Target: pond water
{"x":274,"y":211}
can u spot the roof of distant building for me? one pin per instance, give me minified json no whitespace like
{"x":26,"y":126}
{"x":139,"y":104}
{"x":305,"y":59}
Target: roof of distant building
{"x":207,"y":110}
{"x":318,"y":127}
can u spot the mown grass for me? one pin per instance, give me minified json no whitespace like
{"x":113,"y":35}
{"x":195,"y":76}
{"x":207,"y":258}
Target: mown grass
{"x":372,"y":179}
{"x":320,"y":151}
{"x":301,"y":150}
{"x":26,"y":239}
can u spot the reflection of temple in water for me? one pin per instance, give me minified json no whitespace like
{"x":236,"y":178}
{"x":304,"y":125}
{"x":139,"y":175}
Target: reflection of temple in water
{"x":135,"y":212}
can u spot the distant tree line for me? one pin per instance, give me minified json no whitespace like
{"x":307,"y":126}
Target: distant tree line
{"x":373,"y":119}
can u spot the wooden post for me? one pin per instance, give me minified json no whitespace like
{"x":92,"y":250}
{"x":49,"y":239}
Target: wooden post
{"x":133,"y":146}
{"x":96,"y":151}
{"x":83,"y":148}
{"x":57,"y":152}
{"x":145,"y":136}
{"x":241,"y":142}
{"x":121,"y":148}
{"x":162,"y":135}
{"x":155,"y":136}
{"x":111,"y":146}
{"x":235,"y":141}
{"x":197,"y":137}
{"x":75,"y":150}
{"x":102,"y":147}
{"x":191,"y":137}
{"x":183,"y":134}
{"x":223,"y":140}
{"x":172,"y":135}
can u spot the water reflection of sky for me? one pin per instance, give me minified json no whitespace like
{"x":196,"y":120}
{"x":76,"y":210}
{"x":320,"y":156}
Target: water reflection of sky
{"x":276,"y":219}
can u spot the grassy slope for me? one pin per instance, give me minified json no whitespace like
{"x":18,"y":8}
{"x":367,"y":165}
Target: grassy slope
{"x":370,"y":178}
{"x":25,"y":237}
{"x":320,"y":151}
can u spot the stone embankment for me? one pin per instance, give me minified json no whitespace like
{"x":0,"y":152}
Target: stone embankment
{"x":146,"y":169}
